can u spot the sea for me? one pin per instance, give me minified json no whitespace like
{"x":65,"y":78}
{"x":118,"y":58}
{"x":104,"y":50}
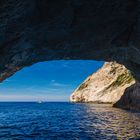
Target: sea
{"x":67,"y":121}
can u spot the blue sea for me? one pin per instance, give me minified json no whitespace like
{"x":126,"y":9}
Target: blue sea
{"x":66,"y":121}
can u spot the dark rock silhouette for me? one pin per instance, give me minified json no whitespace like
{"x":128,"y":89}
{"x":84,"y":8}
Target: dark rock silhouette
{"x":131,"y":98}
{"x":40,"y":30}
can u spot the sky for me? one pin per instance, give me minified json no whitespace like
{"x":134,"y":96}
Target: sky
{"x":47,"y":81}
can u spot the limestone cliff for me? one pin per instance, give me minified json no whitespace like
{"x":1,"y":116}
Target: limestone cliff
{"x":107,"y":85}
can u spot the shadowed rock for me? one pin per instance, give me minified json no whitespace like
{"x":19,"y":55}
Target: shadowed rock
{"x":130,"y":99}
{"x":40,"y":30}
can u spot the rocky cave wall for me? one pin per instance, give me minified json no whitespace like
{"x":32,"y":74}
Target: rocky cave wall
{"x":41,"y":30}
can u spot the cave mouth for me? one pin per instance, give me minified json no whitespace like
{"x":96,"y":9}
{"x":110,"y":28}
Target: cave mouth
{"x":47,"y":81}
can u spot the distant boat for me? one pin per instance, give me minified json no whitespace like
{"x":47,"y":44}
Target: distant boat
{"x":40,"y":102}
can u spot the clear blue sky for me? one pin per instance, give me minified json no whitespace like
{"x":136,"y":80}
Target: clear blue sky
{"x":49,"y":81}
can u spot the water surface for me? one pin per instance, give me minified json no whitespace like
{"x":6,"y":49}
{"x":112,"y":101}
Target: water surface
{"x":66,"y":121}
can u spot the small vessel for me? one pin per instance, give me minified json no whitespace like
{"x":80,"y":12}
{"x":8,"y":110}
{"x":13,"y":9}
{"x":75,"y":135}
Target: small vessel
{"x":39,"y":102}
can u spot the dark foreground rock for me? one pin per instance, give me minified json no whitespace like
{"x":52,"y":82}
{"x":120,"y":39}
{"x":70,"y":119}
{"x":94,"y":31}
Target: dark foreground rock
{"x":130,"y":99}
{"x":32,"y":31}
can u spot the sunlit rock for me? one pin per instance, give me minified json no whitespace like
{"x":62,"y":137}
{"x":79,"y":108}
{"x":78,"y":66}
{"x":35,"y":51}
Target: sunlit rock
{"x":107,"y":85}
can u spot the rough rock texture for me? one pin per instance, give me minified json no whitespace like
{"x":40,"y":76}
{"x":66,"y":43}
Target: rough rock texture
{"x":130,"y":99}
{"x":107,"y":85}
{"x":40,"y":30}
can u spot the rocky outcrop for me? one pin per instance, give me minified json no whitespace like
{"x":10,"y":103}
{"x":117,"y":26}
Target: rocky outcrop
{"x":130,"y":99}
{"x":40,"y":30}
{"x":107,"y":85}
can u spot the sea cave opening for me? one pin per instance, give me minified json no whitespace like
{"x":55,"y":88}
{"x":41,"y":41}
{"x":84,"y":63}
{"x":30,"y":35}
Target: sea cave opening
{"x":47,"y":81}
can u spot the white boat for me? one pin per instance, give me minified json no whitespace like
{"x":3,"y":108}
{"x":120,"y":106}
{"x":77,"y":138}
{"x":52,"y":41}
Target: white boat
{"x":40,"y":102}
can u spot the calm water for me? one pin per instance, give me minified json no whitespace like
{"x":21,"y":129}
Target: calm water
{"x":66,"y":121}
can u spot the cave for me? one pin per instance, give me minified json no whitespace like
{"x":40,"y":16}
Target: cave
{"x":51,"y":81}
{"x":39,"y":30}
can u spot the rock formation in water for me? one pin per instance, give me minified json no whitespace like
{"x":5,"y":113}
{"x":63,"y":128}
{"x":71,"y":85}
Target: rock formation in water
{"x":107,"y":85}
{"x":32,"y":31}
{"x":130,"y":98}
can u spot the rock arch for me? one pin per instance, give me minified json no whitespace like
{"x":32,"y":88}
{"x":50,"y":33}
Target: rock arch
{"x":33,"y":31}
{"x":41,"y":30}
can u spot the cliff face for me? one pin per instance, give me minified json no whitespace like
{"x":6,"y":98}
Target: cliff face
{"x":107,"y":85}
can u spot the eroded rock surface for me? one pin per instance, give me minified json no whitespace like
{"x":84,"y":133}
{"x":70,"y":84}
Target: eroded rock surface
{"x":107,"y":85}
{"x":40,"y":30}
{"x":130,"y":99}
